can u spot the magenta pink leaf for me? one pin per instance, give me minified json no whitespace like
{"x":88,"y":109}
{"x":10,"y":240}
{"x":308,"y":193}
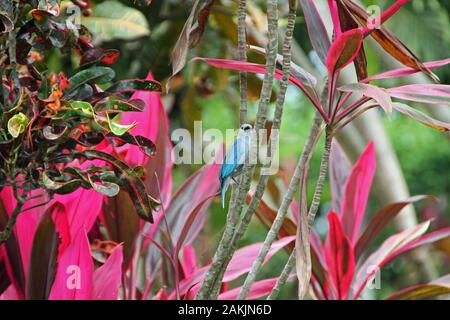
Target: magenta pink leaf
{"x":339,"y":257}
{"x":421,"y":117}
{"x":344,"y":50}
{"x":357,"y":191}
{"x":75,"y":270}
{"x":332,"y":5}
{"x":106,"y":281}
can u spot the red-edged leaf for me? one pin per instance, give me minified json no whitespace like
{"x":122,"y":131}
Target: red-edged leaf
{"x":378,"y":94}
{"x":357,"y":191}
{"x":390,"y":43}
{"x":340,"y":167}
{"x":425,"y":93}
{"x":380,"y":220}
{"x":348,"y":23}
{"x":317,"y":31}
{"x":339,"y":257}
{"x":430,"y":290}
{"x":425,"y":239}
{"x":421,"y":117}
{"x":249,"y":67}
{"x":344,"y":50}
{"x":385,"y":253}
{"x":401,"y":72}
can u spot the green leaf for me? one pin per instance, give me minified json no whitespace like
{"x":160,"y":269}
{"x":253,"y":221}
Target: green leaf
{"x":118,"y":129}
{"x":97,"y":75}
{"x":133,"y":85}
{"x":17,"y":124}
{"x":112,"y":20}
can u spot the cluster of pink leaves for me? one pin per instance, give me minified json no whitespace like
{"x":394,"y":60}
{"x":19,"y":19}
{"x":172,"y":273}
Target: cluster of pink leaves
{"x":50,"y":254}
{"x":344,"y":264}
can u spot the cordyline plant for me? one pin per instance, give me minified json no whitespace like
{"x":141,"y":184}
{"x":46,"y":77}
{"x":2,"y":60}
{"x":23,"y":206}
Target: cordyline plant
{"x":336,"y":106}
{"x":342,"y":266}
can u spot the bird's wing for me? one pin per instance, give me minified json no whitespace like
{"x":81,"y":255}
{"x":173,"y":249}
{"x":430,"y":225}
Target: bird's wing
{"x":233,"y":159}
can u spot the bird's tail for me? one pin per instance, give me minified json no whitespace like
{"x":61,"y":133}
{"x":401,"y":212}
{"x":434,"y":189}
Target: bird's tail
{"x":224,"y":188}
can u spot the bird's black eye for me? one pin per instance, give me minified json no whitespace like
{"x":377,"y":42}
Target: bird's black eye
{"x":246,"y":127}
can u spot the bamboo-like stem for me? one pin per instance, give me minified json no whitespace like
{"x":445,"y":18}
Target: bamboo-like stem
{"x":321,"y":180}
{"x":213,"y":276}
{"x":242,"y":55}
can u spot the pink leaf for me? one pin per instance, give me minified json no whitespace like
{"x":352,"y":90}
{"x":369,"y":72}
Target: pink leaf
{"x":339,"y":257}
{"x":249,"y":67}
{"x":339,"y":170}
{"x":371,"y":91}
{"x":390,"y":248}
{"x":344,"y":50}
{"x":385,"y":15}
{"x":189,"y":261}
{"x":357,"y":192}
{"x":430,"y":290}
{"x":379,"y":221}
{"x":74,"y":276}
{"x":335,"y":17}
{"x":406,"y":71}
{"x":425,"y":93}
{"x":107,"y":278}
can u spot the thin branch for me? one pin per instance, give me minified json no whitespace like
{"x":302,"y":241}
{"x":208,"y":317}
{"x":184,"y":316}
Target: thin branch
{"x":242,"y":53}
{"x":281,"y":281}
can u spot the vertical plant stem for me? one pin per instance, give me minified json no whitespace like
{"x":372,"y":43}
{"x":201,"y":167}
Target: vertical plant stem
{"x":321,"y":179}
{"x":214,"y":275}
{"x":242,"y":55}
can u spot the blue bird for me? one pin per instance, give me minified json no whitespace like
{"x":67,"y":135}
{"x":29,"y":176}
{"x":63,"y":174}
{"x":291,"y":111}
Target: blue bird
{"x":235,"y":158}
